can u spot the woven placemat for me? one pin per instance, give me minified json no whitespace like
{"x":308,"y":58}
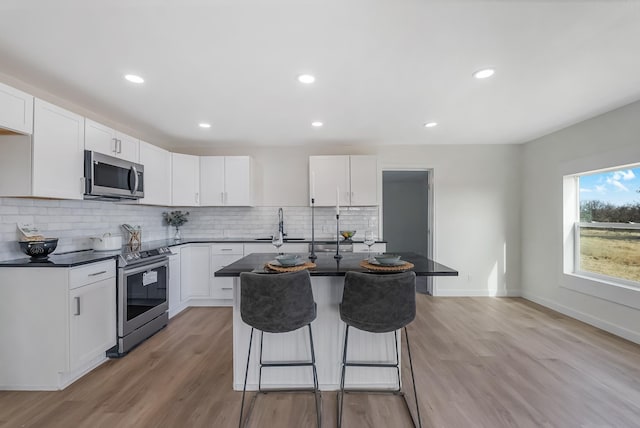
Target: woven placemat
{"x":407,"y":265}
{"x":306,"y":265}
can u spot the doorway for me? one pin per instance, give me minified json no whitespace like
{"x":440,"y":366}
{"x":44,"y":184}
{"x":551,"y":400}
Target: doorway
{"x":407,"y":215}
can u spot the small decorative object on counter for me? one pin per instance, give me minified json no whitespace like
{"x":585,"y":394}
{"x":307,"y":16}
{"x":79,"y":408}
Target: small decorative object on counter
{"x":176,"y":219}
{"x":135,"y":236}
{"x":347,"y":234}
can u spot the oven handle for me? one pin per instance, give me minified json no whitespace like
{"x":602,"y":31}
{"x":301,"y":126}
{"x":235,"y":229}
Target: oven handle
{"x":144,"y":268}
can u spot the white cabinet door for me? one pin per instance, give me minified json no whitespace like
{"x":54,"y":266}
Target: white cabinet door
{"x":127,"y":147}
{"x":100,"y":138}
{"x":195,"y":272}
{"x":364,"y":180}
{"x":103,"y":139}
{"x":185,"y":180}
{"x":176,"y":304}
{"x":16,"y":110}
{"x":157,"y":177}
{"x":92,"y":325}
{"x":212,"y":180}
{"x":238,"y":181}
{"x":328,"y":174}
{"x":58,"y":152}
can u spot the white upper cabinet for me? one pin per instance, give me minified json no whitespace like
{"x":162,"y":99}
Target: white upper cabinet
{"x":328,"y":178}
{"x":185,"y":180}
{"x":58,"y":152}
{"x":226,"y":181}
{"x":351,"y":178}
{"x":16,"y":110}
{"x":157,"y":180}
{"x":364,"y":180}
{"x":212,"y":180}
{"x":108,"y":141}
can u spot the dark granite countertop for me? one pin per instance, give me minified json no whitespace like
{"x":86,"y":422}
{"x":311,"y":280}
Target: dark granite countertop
{"x":328,"y":266}
{"x":77,"y":258}
{"x":67,"y":260}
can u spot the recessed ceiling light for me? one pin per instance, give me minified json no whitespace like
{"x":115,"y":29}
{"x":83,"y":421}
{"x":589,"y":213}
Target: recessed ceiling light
{"x":484,"y":73}
{"x":134,"y":78}
{"x":306,"y":78}
{"x":317,"y":124}
{"x":430,"y":124}
{"x":204,"y":125}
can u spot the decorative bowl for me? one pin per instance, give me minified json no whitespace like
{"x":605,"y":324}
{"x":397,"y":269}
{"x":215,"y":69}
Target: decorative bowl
{"x":288,"y":259}
{"x":387,"y":259}
{"x":347,"y":234}
{"x":39,"y":249}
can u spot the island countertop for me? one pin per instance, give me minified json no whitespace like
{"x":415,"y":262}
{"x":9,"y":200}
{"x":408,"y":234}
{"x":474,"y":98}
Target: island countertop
{"x":326,"y":265}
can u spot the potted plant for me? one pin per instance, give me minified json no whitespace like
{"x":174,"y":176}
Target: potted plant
{"x":176,"y":219}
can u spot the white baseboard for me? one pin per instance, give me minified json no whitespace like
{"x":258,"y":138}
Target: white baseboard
{"x":209,"y":302}
{"x":625,"y":333}
{"x":444,"y":292}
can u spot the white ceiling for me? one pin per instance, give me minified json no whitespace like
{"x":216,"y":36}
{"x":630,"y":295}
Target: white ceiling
{"x":383,"y":68}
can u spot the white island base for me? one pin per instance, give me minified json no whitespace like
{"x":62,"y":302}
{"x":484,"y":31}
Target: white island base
{"x":328,"y":336}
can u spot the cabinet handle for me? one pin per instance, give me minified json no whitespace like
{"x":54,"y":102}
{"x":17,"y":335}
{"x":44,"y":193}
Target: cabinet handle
{"x":97,"y":273}
{"x":77,"y":302}
{"x":119,"y":146}
{"x":115,"y":145}
{"x":226,"y":249}
{"x":197,"y":198}
{"x":227,"y":288}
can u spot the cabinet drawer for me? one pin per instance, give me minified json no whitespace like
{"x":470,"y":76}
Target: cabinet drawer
{"x":91,"y":273}
{"x":222,"y":288}
{"x":223,"y":249}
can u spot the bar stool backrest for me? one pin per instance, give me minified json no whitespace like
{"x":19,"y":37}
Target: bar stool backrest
{"x":276,"y":303}
{"x":378,"y":303}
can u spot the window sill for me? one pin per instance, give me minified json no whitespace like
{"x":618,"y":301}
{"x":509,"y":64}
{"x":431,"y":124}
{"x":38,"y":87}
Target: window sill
{"x":603,"y":289}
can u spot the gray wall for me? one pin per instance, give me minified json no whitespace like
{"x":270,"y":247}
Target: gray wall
{"x":590,"y":144}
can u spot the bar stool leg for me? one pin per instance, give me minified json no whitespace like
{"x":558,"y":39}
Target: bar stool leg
{"x":413,"y":379}
{"x":344,"y":367}
{"x":316,"y":386}
{"x":246,"y":374}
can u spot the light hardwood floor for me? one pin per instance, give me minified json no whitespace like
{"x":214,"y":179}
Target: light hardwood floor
{"x":481,"y":362}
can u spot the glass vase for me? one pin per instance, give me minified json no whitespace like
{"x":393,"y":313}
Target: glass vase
{"x":176,"y":236}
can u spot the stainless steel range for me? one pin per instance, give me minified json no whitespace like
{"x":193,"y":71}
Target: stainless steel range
{"x":143,"y":279}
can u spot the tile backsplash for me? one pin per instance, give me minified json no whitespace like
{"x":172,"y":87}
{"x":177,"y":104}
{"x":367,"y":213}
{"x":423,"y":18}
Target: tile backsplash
{"x":74,"y":222}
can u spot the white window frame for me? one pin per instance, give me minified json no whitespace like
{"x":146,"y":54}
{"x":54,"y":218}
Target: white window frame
{"x":601,"y":286}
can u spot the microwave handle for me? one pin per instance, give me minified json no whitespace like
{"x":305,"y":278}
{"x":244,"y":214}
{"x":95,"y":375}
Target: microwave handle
{"x":135,"y":182}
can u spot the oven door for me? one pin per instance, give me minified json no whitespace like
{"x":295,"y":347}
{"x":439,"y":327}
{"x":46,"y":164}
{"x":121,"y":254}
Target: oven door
{"x":142,"y":294}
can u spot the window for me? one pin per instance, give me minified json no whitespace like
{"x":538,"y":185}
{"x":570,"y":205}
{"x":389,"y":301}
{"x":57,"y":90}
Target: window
{"x":607,"y":230}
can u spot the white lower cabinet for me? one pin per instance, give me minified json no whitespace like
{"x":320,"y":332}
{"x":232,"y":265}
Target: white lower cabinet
{"x":176,"y":303}
{"x":287,"y":247}
{"x":198,"y":263}
{"x":195,"y":271}
{"x":221,"y":256}
{"x":55,"y":323}
{"x":92,"y":329}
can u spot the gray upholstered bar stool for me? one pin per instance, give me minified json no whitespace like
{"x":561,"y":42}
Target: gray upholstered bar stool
{"x":278,"y":303}
{"x":378,"y":303}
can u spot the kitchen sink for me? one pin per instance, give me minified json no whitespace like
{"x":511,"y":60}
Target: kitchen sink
{"x":285,"y":239}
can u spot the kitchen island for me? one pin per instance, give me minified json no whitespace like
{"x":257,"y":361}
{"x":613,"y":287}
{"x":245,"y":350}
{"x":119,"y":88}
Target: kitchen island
{"x":327,"y":281}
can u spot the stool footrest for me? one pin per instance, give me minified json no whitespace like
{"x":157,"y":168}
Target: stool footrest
{"x":288,"y":364}
{"x":389,"y":365}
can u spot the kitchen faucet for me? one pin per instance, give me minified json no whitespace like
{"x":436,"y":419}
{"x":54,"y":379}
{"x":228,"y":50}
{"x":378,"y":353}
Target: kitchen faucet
{"x":281,"y":222}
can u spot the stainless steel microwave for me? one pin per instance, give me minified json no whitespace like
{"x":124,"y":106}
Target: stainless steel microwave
{"x":110,"y":178}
